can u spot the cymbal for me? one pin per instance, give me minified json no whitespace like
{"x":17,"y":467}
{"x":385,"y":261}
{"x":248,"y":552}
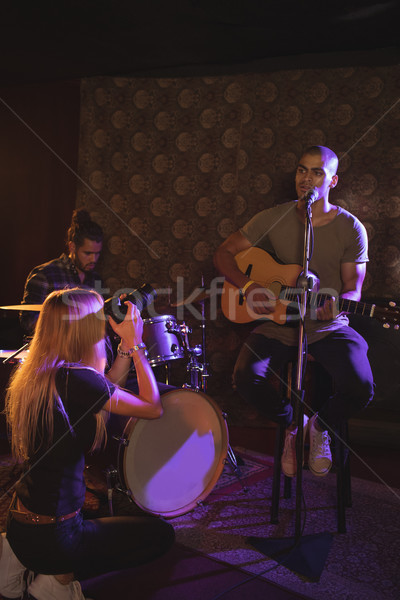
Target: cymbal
{"x":32,"y":307}
{"x":198,"y":295}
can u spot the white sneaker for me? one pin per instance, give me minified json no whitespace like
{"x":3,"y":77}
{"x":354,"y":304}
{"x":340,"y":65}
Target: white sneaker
{"x":12,"y":571}
{"x":46,"y":587}
{"x":320,"y":457}
{"x":288,"y":459}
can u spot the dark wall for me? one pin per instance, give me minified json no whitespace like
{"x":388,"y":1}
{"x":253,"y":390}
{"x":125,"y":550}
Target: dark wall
{"x":175,"y":165}
{"x":39,"y":143}
{"x":38,"y":159}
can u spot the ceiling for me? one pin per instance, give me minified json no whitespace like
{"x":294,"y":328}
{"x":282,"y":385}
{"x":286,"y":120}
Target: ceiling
{"x":43,"y":41}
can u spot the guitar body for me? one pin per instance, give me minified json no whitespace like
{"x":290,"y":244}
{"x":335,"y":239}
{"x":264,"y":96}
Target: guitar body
{"x":263,"y":269}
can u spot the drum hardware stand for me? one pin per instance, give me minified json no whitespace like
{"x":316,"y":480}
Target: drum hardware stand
{"x":167,"y":373}
{"x":111,"y":476}
{"x":118,"y":488}
{"x":198,"y":382}
{"x":196,"y":369}
{"x":113,"y":481}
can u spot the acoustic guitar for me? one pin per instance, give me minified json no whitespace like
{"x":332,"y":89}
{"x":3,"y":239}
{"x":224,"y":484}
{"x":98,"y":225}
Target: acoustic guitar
{"x":280,"y":280}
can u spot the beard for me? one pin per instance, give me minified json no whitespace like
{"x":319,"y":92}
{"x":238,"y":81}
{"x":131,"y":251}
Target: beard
{"x":85,"y":268}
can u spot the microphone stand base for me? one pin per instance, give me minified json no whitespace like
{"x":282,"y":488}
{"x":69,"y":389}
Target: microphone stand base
{"x":305,"y":556}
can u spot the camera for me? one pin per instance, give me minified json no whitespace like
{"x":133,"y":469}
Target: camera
{"x":142,"y":297}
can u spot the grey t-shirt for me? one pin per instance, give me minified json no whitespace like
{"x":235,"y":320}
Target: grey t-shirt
{"x":279,"y":231}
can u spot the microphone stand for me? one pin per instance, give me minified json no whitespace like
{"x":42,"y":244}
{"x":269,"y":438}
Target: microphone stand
{"x":305,"y":555}
{"x":204,"y":372}
{"x":305,"y":286}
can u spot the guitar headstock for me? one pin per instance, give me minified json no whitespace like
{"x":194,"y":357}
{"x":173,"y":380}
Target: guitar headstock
{"x":388,"y":315}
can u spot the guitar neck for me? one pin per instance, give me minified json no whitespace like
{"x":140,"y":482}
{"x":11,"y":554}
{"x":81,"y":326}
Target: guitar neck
{"x":344,"y":305}
{"x":315,"y":300}
{"x":356,"y":308}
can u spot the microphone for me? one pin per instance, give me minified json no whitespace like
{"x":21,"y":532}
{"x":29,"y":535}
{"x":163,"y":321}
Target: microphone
{"x":311,"y":196}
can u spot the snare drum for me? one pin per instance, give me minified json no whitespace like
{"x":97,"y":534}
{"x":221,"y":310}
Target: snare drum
{"x":161,"y":339}
{"x":172,"y":463}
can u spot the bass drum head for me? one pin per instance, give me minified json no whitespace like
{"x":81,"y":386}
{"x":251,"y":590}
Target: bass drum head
{"x":172,"y":463}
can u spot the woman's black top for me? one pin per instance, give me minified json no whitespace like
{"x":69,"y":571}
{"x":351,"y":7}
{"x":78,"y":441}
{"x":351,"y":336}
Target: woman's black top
{"x":53,"y":483}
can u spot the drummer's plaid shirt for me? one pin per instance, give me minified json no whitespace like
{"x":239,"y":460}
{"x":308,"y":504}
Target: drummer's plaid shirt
{"x":56,"y":274}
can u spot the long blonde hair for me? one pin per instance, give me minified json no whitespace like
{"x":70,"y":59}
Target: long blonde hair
{"x":70,"y":330}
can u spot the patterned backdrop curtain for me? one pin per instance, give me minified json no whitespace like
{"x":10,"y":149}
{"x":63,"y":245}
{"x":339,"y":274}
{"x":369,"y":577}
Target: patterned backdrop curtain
{"x":170,"y":167}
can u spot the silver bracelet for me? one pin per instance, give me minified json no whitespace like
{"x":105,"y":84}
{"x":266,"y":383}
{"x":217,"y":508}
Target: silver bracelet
{"x":141,"y":346}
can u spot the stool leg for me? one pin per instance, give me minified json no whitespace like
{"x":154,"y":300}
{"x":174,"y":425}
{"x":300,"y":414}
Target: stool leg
{"x":287,"y":375}
{"x":343,"y":479}
{"x":287,"y":487}
{"x":347,"y":473}
{"x":276,"y":477}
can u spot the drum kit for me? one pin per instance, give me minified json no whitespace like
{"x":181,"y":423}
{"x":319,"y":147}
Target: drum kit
{"x":167,"y":466}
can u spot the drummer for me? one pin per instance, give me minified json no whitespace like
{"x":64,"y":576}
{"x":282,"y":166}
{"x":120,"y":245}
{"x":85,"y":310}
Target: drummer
{"x":54,"y":406}
{"x":76,"y":267}
{"x":73,"y":268}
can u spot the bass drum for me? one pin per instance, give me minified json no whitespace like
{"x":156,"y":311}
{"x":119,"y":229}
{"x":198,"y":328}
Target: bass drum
{"x":172,"y":463}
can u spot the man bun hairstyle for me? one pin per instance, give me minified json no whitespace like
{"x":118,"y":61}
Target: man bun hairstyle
{"x":82,"y":227}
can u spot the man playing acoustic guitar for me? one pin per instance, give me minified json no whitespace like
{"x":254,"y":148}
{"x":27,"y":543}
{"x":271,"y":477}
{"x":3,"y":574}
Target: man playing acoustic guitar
{"x":340,"y":253}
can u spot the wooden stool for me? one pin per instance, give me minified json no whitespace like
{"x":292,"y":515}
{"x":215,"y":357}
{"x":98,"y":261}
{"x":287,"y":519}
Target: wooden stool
{"x":339,"y":446}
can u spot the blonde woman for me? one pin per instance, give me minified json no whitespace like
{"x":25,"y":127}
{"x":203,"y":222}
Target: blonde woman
{"x":54,"y":407}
